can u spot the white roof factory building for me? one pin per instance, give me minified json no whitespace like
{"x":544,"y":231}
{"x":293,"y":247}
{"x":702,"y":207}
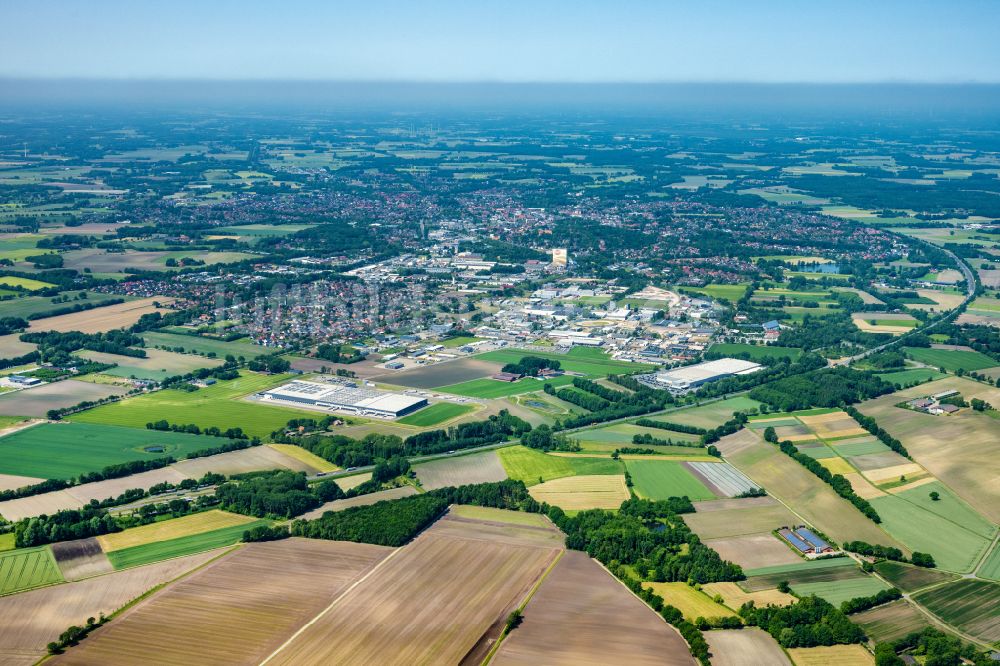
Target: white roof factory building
{"x":693,"y":376}
{"x":346,"y":398}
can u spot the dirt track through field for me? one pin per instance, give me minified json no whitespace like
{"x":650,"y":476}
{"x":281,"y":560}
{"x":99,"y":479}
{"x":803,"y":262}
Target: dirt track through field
{"x":406,"y":614}
{"x":235,"y":611}
{"x":581,"y":616}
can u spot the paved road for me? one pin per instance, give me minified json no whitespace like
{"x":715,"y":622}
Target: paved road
{"x":970,"y":293}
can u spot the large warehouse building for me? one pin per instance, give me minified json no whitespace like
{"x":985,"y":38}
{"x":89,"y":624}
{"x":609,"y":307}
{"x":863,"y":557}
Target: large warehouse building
{"x":363,"y":401}
{"x":691,"y":377}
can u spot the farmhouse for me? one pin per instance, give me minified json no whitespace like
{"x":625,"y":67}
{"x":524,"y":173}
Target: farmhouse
{"x":805,"y":540}
{"x":506,"y":376}
{"x":689,"y":377}
{"x":346,"y":398}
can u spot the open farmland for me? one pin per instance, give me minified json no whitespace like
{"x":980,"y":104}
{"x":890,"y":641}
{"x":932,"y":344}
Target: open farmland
{"x":491,"y":388}
{"x":755,"y":352}
{"x":621,"y":434}
{"x":459,"y":471}
{"x":156,"y":551}
{"x":891,"y":621}
{"x":164,"y":530}
{"x":82,"y":558}
{"x":205,"y":346}
{"x":752,"y":551}
{"x":11,"y":346}
{"x":360,"y":500}
{"x":721,"y":478}
{"x":950,"y":359}
{"x":236,"y":610}
{"x":737,"y":517}
{"x":941,"y":444}
{"x":834,"y":655}
{"x":254,"y":459}
{"x":593,"y":363}
{"x":575,"y":493}
{"x":841,"y":590}
{"x":218,"y":405}
{"x":100,"y":261}
{"x":436,"y":414}
{"x":157,"y":365}
{"x":306,"y":457}
{"x":712,"y":414}
{"x":658,"y":480}
{"x":29,"y":620}
{"x":66,"y":450}
{"x":796,"y":486}
{"x":533,"y":466}
{"x":56,"y":395}
{"x":456,"y":568}
{"x":442,"y":374}
{"x":909,"y":578}
{"x":33,"y":305}
{"x":948,"y":528}
{"x":582,"y":615}
{"x":100,"y":319}
{"x":689,"y":601}
{"x":26,"y":568}
{"x":745,"y":647}
{"x":734,"y":596}
{"x":970,"y":605}
{"x":803,"y":572}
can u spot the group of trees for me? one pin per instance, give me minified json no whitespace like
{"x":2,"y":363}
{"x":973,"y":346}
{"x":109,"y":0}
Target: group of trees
{"x":282,"y":494}
{"x":666,"y":425}
{"x":385,"y":523}
{"x":531,"y":366}
{"x":193,"y":429}
{"x":935,"y":648}
{"x":810,"y":622}
{"x":346,"y":452}
{"x":858,"y":604}
{"x":828,"y":387}
{"x":270,"y":363}
{"x":889,"y":553}
{"x":869,"y":424}
{"x":57,"y":348}
{"x":64,"y":526}
{"x":841,"y":485}
{"x":544,"y":438}
{"x":337,"y":354}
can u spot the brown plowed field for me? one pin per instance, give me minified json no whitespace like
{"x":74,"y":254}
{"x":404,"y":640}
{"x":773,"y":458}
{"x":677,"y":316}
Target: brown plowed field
{"x":582,"y":616}
{"x":82,"y":558}
{"x":28,"y":621}
{"x":435,"y":601}
{"x":476,"y":468}
{"x":744,"y":647}
{"x":235,"y":611}
{"x":101,"y":319}
{"x":441,"y":374}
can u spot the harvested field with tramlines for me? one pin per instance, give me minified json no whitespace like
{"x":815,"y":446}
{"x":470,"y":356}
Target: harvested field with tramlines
{"x":582,"y":615}
{"x":576,"y":493}
{"x":28,"y":621}
{"x":745,"y":647}
{"x":405,"y":612}
{"x":891,"y":621}
{"x":100,"y":319}
{"x":56,"y":395}
{"x":236,"y":610}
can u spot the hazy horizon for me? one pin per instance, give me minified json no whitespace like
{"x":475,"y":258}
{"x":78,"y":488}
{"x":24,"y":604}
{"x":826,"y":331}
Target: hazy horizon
{"x":585,"y":41}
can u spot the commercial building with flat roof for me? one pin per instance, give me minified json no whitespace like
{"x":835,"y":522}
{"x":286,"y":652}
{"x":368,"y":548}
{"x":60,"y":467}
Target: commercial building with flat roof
{"x":345,"y":398}
{"x":690,"y":377}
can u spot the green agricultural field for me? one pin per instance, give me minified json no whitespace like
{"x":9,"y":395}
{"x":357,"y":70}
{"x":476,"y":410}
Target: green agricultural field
{"x":27,"y":283}
{"x":658,"y":480}
{"x":201,"y":345}
{"x":33,"y":305}
{"x":862,"y":446}
{"x":261,"y":230}
{"x":622,"y":433}
{"x":729,"y":292}
{"x":164,"y":550}
{"x":434,"y":414}
{"x":991,"y":566}
{"x":492,"y":388}
{"x":710,"y":415}
{"x":458,"y":341}
{"x":66,"y":450}
{"x":948,"y":529}
{"x":803,"y":573}
{"x":586,"y":363}
{"x":218,"y":405}
{"x":804,"y":566}
{"x":909,"y":578}
{"x":25,"y":568}
{"x":968,"y":604}
{"x":951,"y":359}
{"x":841,"y":590}
{"x":529,"y":465}
{"x":756,"y":352}
{"x":908,"y":377}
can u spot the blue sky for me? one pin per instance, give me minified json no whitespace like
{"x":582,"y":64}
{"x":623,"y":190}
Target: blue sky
{"x":504,"y":40}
